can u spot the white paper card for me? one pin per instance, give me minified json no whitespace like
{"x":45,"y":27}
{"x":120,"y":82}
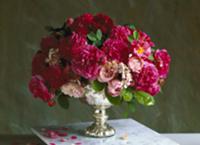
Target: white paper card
{"x":128,"y":132}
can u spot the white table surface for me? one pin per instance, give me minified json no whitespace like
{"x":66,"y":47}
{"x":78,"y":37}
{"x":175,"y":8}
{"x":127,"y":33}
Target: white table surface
{"x":134,"y":133}
{"x":184,"y":138}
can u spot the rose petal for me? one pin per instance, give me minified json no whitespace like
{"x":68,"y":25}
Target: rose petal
{"x":63,"y":140}
{"x":73,"y":137}
{"x":62,"y":134}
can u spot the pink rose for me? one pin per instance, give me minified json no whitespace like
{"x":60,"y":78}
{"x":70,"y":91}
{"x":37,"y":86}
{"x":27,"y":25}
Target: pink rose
{"x":135,"y":64}
{"x":73,"y":89}
{"x":147,"y":79}
{"x":162,"y":61}
{"x":141,"y":48}
{"x":121,"y":33}
{"x":103,"y":22}
{"x":114,"y":87}
{"x":38,"y":88}
{"x":108,"y":71}
{"x":87,"y":60}
{"x":116,"y":50}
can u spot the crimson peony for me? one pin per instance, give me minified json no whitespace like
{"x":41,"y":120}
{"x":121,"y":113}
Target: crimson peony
{"x":86,"y":61}
{"x":121,"y":33}
{"x":116,"y":50}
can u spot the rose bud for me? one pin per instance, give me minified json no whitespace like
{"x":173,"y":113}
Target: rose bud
{"x":114,"y":87}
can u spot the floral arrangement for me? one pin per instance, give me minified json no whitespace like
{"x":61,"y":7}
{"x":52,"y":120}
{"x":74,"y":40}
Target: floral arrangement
{"x":90,"y":55}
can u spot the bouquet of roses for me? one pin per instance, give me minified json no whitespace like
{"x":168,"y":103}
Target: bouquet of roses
{"x":90,"y":55}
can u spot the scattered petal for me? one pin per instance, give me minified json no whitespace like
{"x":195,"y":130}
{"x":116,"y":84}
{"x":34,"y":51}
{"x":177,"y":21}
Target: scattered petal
{"x":62,"y":134}
{"x":63,"y":140}
{"x":73,"y":137}
{"x":124,"y":137}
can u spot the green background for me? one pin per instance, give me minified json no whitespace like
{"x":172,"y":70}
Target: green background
{"x":174,"y":25}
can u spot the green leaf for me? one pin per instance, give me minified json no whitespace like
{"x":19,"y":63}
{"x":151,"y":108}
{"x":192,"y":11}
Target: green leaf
{"x":63,"y":101}
{"x":113,"y":100}
{"x":144,"y":98}
{"x":131,"y":26}
{"x":154,"y":48}
{"x":151,"y":57}
{"x":97,"y":86}
{"x":58,"y":93}
{"x":130,"y":38}
{"x":99,"y":34}
{"x":92,"y":37}
{"x":127,"y":94}
{"x":135,"y":35}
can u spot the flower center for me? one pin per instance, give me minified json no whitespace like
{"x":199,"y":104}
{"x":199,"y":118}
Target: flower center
{"x":140,"y":50}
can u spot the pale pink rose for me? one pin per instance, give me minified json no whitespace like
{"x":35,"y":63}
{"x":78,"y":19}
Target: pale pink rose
{"x":135,"y":64}
{"x":73,"y":89}
{"x":114,"y":87}
{"x":108,"y":71}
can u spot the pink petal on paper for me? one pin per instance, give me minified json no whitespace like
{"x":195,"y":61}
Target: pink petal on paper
{"x":52,"y":134}
{"x":63,"y":140}
{"x":62,"y":134}
{"x":78,"y":143}
{"x":52,"y":144}
{"x":73,"y":137}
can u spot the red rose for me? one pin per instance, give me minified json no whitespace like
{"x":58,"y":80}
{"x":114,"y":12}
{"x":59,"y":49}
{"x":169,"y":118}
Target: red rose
{"x":47,"y":43}
{"x":54,"y":76}
{"x":162,"y":61}
{"x":66,"y":43}
{"x":64,"y":48}
{"x":103,"y":22}
{"x":38,"y":88}
{"x":82,"y":24}
{"x":121,"y":33}
{"x":116,"y":50}
{"x":38,"y":63}
{"x":86,"y":61}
